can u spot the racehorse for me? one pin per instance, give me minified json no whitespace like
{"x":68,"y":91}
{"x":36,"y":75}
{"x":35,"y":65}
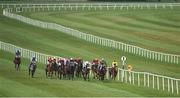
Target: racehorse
{"x":62,"y":69}
{"x":32,"y":69}
{"x":49,"y":70}
{"x":86,"y":71}
{"x":102,"y":72}
{"x":94,"y":68}
{"x":113,"y":72}
{"x":70,"y":69}
{"x":78,"y":67}
{"x":17,"y":62}
{"x":55,"y":68}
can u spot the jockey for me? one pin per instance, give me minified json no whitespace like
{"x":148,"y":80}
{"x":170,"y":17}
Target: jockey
{"x":71,"y":63}
{"x":60,"y":62}
{"x":33,"y":61}
{"x":129,"y":68}
{"x":54,"y":60}
{"x":114,"y":64}
{"x":100,"y":66}
{"x":85,"y":65}
{"x":18,"y":54}
{"x":49,"y":60}
{"x":103,"y":62}
{"x":95,"y":62}
{"x":88,"y":65}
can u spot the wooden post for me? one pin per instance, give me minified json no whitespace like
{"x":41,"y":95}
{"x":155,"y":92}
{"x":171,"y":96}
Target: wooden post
{"x":126,"y":76}
{"x":148,"y":79}
{"x":158,"y":82}
{"x":161,"y":57}
{"x":174,"y":59}
{"x":172,"y":85}
{"x":133,"y":77}
{"x":177,"y":59}
{"x":153,"y":81}
{"x":177,"y":87}
{"x":165,"y":58}
{"x":163,"y":83}
{"x":122,"y":75}
{"x":144,"y":79}
{"x":168,"y":86}
{"x":138,"y":80}
{"x":168,"y":58}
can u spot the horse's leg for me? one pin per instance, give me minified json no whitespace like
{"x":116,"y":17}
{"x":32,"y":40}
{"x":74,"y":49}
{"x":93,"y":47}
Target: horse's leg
{"x":60,"y":74}
{"x":32,"y":73}
{"x":103,"y":76}
{"x":72,"y":75}
{"x":51,"y":74}
{"x":113,"y":75}
{"x":84,"y":76}
{"x":18,"y":67}
{"x":15,"y":65}
{"x":109,"y":75}
{"x":64,"y":75}
{"x":94,"y":75}
{"x":69,"y":76}
{"x":54,"y":72}
{"x":88,"y":76}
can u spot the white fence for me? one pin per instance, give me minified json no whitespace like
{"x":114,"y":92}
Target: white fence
{"x":42,"y":58}
{"x":158,"y":82}
{"x":154,"y":81}
{"x":94,"y":5}
{"x":163,"y":57}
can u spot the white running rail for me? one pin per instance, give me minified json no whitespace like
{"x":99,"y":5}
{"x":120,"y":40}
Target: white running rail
{"x":163,"y":57}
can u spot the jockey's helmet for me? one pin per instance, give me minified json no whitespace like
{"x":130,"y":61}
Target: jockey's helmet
{"x":54,"y":59}
{"x":33,"y":58}
{"x":49,"y":58}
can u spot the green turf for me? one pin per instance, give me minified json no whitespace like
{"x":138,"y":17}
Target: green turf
{"x":154,"y":29}
{"x":14,"y":83}
{"x":57,"y":43}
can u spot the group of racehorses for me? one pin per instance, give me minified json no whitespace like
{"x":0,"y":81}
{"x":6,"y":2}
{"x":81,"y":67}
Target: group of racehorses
{"x":68,"y":68}
{"x":31,"y":68}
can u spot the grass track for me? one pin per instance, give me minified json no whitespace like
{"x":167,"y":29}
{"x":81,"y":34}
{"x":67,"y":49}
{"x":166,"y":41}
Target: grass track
{"x":57,"y":43}
{"x":15,"y":83}
{"x":148,"y":28}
